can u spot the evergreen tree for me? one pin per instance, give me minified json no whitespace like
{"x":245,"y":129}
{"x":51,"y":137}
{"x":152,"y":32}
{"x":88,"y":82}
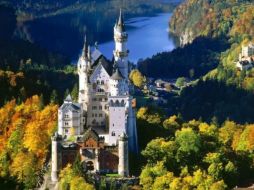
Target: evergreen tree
{"x":74,"y":92}
{"x":41,"y":101}
{"x":54,"y":97}
{"x":66,"y":93}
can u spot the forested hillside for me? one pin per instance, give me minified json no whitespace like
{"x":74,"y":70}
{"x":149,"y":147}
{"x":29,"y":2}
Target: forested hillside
{"x":26,"y":69}
{"x":212,"y":18}
{"x":32,"y":82}
{"x":195,"y":154}
{"x":28,"y":10}
{"x":25,"y":136}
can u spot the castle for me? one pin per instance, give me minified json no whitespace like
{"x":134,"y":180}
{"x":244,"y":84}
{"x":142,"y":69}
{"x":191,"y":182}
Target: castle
{"x":101,"y":126}
{"x":246,"y":57}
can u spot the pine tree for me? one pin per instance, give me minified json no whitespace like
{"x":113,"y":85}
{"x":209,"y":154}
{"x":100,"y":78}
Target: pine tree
{"x":41,"y":101}
{"x":66,"y":93}
{"x":74,"y":92}
{"x":54,"y":97}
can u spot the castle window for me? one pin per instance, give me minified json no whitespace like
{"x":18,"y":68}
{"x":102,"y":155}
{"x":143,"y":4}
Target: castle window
{"x":66,"y":116}
{"x":100,"y":99}
{"x":94,"y":107}
{"x":92,"y":115}
{"x":113,"y":124}
{"x":100,"y":115}
{"x":98,"y":82}
{"x":94,"y":99}
{"x":113,"y":134}
{"x":94,"y":121}
{"x":102,"y":82}
{"x":100,"y":107}
{"x":66,"y":130}
{"x":100,"y":90}
{"x":66,"y":123}
{"x":95,"y":115}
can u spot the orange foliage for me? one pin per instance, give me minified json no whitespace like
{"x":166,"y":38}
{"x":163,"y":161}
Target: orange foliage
{"x":13,"y":77}
{"x":36,"y":126}
{"x":245,"y":24}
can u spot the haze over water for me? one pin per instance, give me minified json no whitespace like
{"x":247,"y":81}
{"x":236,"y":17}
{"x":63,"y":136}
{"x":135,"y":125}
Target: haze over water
{"x":147,"y":36}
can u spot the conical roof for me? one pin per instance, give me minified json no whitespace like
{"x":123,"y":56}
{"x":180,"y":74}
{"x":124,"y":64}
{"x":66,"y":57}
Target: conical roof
{"x":117,"y":75}
{"x":120,"y":22}
{"x":68,"y":98}
{"x":85,"y":48}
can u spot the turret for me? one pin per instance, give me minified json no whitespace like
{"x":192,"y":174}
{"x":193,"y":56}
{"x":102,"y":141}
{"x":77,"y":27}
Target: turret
{"x":55,"y":157}
{"x":123,"y":153}
{"x":84,"y":66}
{"x":121,"y":52}
{"x":118,"y":85}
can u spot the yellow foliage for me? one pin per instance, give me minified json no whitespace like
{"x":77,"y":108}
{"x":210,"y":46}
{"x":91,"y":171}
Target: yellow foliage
{"x":68,"y":178}
{"x":23,"y":164}
{"x":226,"y":132}
{"x":26,"y":130}
{"x":137,"y":78}
{"x":78,"y":183}
{"x":176,"y":184}
{"x":39,"y":129}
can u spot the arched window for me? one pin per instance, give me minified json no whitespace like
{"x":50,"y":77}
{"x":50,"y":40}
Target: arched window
{"x":117,"y":103}
{"x":113,"y":134}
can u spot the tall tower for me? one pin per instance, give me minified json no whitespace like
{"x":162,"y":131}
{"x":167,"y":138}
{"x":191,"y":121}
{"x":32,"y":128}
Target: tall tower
{"x":123,"y":153}
{"x":55,"y":157}
{"x":121,"y":52}
{"x":84,"y":66}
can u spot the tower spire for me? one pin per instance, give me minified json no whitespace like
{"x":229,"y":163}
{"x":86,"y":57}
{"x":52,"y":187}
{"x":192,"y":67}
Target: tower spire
{"x":121,"y":52}
{"x":120,"y":22}
{"x":120,"y":19}
{"x":85,"y":49}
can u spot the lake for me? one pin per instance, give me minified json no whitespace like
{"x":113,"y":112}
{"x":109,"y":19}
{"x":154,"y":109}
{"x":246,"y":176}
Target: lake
{"x":147,"y":36}
{"x":64,"y":32}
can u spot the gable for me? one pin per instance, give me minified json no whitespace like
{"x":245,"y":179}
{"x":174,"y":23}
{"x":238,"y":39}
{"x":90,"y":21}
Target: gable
{"x":91,"y":142}
{"x":99,"y":73}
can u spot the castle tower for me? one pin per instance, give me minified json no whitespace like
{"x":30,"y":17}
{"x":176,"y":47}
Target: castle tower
{"x":123,"y":166}
{"x":55,"y":157}
{"x":84,"y":66}
{"x":121,"y":52}
{"x":118,"y":85}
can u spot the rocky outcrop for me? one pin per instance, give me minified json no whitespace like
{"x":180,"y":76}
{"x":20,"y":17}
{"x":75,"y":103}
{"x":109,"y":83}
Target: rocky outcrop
{"x":186,"y":37}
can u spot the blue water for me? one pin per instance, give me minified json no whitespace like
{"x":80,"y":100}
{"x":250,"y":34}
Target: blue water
{"x":147,"y":36}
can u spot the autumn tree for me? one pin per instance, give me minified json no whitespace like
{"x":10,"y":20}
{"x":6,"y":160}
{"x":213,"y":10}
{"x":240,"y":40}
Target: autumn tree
{"x":137,"y":78}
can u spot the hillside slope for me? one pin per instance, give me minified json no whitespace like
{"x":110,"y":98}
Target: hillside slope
{"x":214,"y":18}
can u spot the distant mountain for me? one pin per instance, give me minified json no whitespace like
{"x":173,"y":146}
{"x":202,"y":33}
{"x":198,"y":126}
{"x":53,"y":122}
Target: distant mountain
{"x":27,"y":10}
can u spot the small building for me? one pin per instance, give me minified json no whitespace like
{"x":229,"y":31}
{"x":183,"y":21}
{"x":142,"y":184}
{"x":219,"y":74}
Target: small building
{"x":248,"y":50}
{"x":246,"y":58}
{"x":244,"y":65}
{"x":159,"y":83}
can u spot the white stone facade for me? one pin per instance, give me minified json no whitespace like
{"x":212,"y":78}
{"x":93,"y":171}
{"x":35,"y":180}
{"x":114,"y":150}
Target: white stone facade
{"x":104,"y":103}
